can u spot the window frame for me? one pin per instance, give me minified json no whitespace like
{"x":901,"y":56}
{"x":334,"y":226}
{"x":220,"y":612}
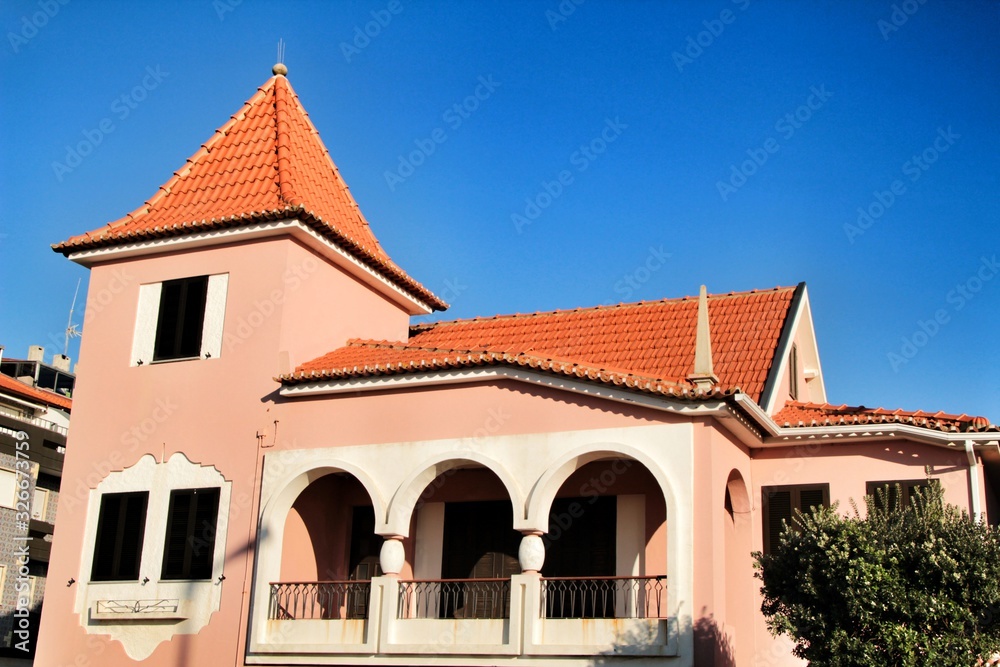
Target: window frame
{"x":191,"y":535}
{"x":120,"y":528}
{"x":180,"y":316}
{"x":795,"y":502}
{"x":148,"y":315}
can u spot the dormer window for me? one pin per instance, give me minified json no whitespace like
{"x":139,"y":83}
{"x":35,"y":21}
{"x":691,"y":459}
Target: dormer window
{"x":180,"y":319}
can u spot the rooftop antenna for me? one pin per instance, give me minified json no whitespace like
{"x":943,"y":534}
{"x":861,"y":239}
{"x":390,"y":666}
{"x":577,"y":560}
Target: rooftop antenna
{"x":72,"y":331}
{"x":279,"y":67}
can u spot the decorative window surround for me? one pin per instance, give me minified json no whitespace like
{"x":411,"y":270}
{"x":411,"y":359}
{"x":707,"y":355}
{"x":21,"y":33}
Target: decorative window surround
{"x":133,"y":612}
{"x":148,"y":311}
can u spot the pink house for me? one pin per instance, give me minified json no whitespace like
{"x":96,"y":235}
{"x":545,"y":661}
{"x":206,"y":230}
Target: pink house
{"x":269,"y":465}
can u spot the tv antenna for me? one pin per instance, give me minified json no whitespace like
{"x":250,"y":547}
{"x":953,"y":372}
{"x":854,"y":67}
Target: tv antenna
{"x":72,"y":330}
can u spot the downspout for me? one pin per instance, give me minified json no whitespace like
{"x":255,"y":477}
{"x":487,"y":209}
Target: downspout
{"x":970,"y":452}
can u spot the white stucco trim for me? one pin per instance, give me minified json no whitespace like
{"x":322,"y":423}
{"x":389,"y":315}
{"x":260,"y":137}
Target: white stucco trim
{"x":192,"y":602}
{"x":264,"y":230}
{"x":539,"y":462}
{"x":146,"y":314}
{"x":215,"y":316}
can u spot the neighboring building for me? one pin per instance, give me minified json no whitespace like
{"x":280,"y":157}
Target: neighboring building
{"x":573,"y":487}
{"x":34,"y":419}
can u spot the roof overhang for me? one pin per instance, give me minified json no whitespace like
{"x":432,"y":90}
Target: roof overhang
{"x":721,"y":408}
{"x":738,"y":413}
{"x":292,"y":227}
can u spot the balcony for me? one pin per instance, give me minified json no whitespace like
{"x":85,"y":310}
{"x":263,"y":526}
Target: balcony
{"x":523,"y":615}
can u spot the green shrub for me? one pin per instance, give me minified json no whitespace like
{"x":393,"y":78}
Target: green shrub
{"x":915,"y":585}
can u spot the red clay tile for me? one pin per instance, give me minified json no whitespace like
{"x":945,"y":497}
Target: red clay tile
{"x":652,"y":341}
{"x":266,"y":163}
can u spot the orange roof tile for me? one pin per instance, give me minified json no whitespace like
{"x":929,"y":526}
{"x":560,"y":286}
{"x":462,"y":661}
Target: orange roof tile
{"x":796,"y":414}
{"x":26,"y":391}
{"x":267,"y":163}
{"x":651,"y":342}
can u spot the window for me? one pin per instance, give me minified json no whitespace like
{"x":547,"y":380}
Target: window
{"x":8,"y":488}
{"x":40,"y":503}
{"x":181,"y":318}
{"x":190,"y":541}
{"x":793,"y":373}
{"x":908,"y":488}
{"x":120,"y":527}
{"x":780,"y":503}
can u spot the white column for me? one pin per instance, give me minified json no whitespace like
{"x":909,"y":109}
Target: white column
{"x":531,"y":553}
{"x":630,"y":550}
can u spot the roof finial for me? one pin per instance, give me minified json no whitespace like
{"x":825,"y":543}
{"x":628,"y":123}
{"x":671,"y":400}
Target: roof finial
{"x":703,"y":376}
{"x":279,"y":69}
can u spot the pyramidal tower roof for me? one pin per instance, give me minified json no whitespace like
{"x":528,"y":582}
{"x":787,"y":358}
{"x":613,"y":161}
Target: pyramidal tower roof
{"x":267,"y":163}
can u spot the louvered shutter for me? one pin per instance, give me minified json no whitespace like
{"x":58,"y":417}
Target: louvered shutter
{"x":779,"y":510}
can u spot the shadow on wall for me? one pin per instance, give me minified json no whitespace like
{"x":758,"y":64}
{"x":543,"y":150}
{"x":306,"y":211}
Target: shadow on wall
{"x":711,"y":646}
{"x":22,"y":648}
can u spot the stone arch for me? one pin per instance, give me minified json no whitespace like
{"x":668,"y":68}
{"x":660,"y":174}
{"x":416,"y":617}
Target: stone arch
{"x":411,"y":489}
{"x":547,"y":486}
{"x":736,"y":491}
{"x":274,"y":512}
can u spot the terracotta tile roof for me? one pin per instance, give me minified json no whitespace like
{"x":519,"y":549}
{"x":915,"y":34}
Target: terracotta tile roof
{"x":796,"y":414}
{"x":25,"y":391}
{"x":267,"y":163}
{"x":650,"y":344}
{"x":361,"y":358}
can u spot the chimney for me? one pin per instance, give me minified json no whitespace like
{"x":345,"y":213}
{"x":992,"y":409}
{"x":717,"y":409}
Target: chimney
{"x":60,"y":362}
{"x":703,"y":377}
{"x":36,"y":353}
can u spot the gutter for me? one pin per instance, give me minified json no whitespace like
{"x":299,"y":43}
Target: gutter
{"x":970,"y":452}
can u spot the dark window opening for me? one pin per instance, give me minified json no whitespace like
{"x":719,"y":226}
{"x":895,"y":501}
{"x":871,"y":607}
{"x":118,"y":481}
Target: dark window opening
{"x":364,"y":559}
{"x":120,"y":527}
{"x":890,"y":491}
{"x":793,"y":373}
{"x":479,"y":543}
{"x":190,"y":543}
{"x":181,"y":319}
{"x":780,"y":503}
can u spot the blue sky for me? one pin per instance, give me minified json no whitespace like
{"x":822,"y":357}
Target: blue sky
{"x":850,"y":145}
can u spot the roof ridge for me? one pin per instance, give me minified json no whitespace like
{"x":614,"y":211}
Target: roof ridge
{"x":426,"y":326}
{"x":502,"y":354}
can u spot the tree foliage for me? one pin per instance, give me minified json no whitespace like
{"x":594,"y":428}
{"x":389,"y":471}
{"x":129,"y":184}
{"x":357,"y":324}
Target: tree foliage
{"x":910,"y":585}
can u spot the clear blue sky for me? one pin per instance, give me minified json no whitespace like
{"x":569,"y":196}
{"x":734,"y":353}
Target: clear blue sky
{"x":685,"y":94}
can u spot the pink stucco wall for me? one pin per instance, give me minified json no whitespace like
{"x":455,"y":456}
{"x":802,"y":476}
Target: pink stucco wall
{"x":214,"y":410}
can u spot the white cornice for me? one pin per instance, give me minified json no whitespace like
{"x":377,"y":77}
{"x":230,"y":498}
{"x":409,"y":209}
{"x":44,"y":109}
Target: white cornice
{"x":253,"y":232}
{"x":746,"y":419}
{"x":733,"y":419}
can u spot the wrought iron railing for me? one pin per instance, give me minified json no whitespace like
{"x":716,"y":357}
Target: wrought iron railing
{"x":604,"y":597}
{"x":454,"y":598}
{"x":327,"y":600}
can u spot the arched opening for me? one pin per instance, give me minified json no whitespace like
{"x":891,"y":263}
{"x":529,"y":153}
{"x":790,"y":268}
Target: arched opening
{"x":465,"y":546}
{"x":738,"y":645}
{"x":606,"y":543}
{"x":329,"y":552}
